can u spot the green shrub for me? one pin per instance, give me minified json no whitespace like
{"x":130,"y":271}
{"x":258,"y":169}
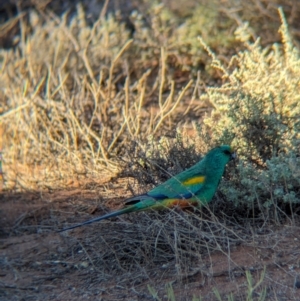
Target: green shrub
{"x":273,"y":189}
{"x":257,"y":111}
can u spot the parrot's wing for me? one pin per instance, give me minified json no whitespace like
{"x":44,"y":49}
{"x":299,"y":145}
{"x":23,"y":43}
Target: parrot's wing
{"x":143,"y":197}
{"x":178,"y":187}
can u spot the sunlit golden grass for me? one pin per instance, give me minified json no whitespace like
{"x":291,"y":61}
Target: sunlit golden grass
{"x":74,"y":98}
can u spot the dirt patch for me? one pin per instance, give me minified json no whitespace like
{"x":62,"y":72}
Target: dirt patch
{"x":118,"y":259}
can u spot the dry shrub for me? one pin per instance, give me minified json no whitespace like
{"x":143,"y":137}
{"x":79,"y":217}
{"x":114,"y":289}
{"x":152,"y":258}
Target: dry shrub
{"x":75,"y":96}
{"x":157,"y":160}
{"x":262,"y":17}
{"x":256,"y":109}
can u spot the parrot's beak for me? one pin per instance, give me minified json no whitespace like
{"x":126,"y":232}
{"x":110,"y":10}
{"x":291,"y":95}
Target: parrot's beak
{"x":233,"y":156}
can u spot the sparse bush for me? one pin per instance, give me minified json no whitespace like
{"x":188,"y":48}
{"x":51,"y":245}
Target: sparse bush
{"x":271,"y":192}
{"x":257,"y":111}
{"x":156,"y":161}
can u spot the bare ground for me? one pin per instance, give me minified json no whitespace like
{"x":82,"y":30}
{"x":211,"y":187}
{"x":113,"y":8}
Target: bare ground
{"x":118,"y":259}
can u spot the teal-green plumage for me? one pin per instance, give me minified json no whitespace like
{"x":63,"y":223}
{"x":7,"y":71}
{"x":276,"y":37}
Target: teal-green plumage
{"x":193,"y":187}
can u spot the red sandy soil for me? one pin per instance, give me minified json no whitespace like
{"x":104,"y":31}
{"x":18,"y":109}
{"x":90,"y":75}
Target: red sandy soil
{"x":37,"y":263}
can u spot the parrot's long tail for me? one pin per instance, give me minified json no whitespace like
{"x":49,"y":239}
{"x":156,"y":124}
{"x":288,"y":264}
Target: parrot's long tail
{"x":142,"y":204}
{"x":97,"y":219}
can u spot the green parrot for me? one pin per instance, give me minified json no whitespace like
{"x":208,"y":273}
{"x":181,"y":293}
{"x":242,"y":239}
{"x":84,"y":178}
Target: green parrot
{"x":193,"y":187}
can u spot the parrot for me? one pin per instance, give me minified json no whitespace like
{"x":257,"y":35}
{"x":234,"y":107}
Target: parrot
{"x":195,"y":186}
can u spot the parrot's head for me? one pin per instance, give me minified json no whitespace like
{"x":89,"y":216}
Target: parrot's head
{"x":219,"y":156}
{"x":228,"y":152}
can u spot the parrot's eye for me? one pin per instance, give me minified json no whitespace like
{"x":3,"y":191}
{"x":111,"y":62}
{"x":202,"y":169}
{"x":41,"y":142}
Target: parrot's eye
{"x":227,"y":152}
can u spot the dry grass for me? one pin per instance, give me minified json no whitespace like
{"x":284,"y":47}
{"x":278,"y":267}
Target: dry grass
{"x":80,"y":99}
{"x":171,"y":240}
